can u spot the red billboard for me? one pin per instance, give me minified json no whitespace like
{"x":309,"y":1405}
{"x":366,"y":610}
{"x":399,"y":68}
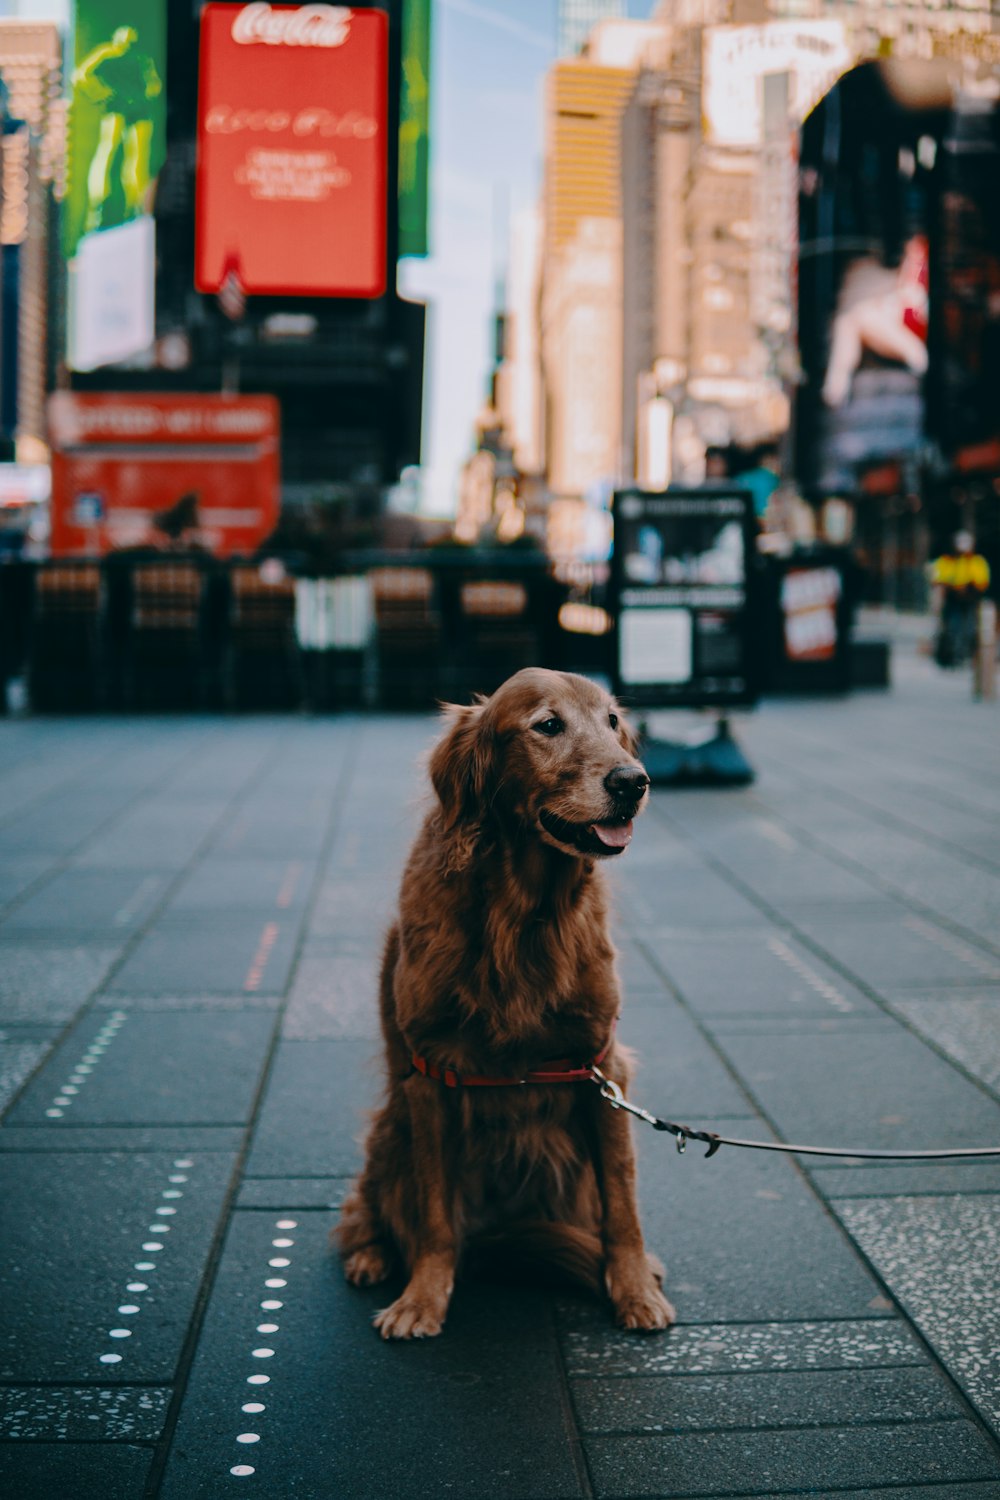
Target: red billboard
{"x":161,"y":471}
{"x":292,"y":150}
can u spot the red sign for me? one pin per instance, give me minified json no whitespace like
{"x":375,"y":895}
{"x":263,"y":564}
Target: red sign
{"x":162,"y":471}
{"x":292,"y":137}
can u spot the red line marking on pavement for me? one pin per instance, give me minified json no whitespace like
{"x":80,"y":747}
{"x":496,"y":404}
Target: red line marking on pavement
{"x":268,"y":939}
{"x":287,"y":892}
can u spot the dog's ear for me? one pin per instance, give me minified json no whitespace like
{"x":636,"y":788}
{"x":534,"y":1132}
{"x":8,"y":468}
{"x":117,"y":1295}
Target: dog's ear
{"x":463,"y":763}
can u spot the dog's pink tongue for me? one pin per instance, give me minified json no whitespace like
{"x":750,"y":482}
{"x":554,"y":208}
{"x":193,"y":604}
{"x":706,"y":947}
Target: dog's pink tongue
{"x":615,"y":835}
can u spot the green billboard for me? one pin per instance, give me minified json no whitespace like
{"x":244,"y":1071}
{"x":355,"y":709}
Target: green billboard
{"x":414,"y":122}
{"x":117,"y":118}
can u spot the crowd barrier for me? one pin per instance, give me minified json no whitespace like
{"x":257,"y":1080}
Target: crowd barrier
{"x":179,"y":631}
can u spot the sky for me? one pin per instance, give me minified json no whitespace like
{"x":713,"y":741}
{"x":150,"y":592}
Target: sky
{"x":487,"y":67}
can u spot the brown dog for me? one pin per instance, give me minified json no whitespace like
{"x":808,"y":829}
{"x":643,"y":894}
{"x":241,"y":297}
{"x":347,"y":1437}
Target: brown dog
{"x":499,"y":963}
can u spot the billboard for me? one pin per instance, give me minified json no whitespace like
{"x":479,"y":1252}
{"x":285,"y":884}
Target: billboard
{"x":116,"y":147}
{"x":869,"y":185}
{"x":414,"y":124}
{"x":162,"y":471}
{"x":683,"y":595}
{"x":292,"y":150}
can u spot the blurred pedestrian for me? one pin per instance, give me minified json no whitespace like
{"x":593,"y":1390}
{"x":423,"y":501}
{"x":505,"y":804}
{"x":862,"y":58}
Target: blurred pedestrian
{"x":962,"y":577}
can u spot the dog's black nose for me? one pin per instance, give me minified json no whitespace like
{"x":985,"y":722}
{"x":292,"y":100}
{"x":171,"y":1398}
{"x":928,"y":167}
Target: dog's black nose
{"x":627,"y":782}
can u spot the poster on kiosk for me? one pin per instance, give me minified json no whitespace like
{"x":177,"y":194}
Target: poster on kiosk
{"x":684,"y":598}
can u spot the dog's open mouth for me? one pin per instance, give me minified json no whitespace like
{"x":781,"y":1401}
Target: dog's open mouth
{"x":603,"y":839}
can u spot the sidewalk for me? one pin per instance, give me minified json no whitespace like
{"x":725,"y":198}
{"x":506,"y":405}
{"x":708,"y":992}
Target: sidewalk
{"x":187,"y":1021}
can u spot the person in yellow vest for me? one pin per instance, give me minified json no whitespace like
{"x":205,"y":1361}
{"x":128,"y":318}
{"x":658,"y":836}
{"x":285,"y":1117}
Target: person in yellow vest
{"x":962,"y":577}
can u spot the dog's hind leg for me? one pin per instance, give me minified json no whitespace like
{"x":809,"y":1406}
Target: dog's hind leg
{"x":367,"y":1253}
{"x":362,"y":1235}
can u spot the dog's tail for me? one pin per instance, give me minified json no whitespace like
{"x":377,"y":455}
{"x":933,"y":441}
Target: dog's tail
{"x":539,"y":1247}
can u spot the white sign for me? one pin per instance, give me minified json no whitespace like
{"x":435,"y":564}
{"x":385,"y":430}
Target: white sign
{"x":112,"y":295}
{"x":737,"y":58}
{"x":24,"y":484}
{"x":655,"y":645}
{"x":308,"y":26}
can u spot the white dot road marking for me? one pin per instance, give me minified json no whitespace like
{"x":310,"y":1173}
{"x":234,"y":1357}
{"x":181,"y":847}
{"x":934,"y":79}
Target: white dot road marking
{"x":248,"y":1437}
{"x":242,"y":1470}
{"x":253,"y":1406}
{"x":258,"y":1380}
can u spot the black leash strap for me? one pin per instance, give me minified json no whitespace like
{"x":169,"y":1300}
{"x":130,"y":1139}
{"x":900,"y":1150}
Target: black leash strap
{"x":684,"y":1133}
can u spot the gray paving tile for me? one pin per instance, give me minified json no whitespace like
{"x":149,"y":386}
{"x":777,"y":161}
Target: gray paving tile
{"x":903,"y":951}
{"x":293,"y":1192}
{"x":250,"y":955}
{"x":17,"y":1059}
{"x":89,"y":901}
{"x":18,"y":872}
{"x":344,"y":1413}
{"x":160,"y":833}
{"x":695,"y":898}
{"x":35,"y":1138}
{"x":49,"y":983}
{"x":217,"y":885}
{"x":966,"y":1027}
{"x":82,"y":1413}
{"x":314,"y":1111}
{"x":592,"y":1348}
{"x":333,"y":996}
{"x":192,"y":1001}
{"x":867,"y":1088}
{"x":676,"y":1072}
{"x":347,"y":905}
{"x":163,"y":1068}
{"x":761,"y":971}
{"x":115,"y":1471}
{"x":887,"y":1179}
{"x":276,"y":829}
{"x":933,"y":1491}
{"x":744,"y":1238}
{"x":941,"y":1259}
{"x":778,"y":1399}
{"x":720,"y":1463}
{"x":62,"y":1213}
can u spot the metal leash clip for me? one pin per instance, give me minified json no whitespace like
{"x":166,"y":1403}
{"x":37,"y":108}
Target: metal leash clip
{"x":611,"y":1091}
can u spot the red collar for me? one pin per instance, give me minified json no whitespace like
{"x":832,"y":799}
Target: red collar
{"x":561,"y":1070}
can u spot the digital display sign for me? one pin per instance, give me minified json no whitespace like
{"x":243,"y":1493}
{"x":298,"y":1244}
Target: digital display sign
{"x":683,"y":584}
{"x":292,"y":150}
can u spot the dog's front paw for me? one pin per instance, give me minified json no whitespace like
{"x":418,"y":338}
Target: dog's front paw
{"x":367,"y":1267}
{"x":411,"y":1316}
{"x":636,"y":1297}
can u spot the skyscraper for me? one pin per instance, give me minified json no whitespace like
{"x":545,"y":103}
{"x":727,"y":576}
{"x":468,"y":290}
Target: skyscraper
{"x":577,"y":18}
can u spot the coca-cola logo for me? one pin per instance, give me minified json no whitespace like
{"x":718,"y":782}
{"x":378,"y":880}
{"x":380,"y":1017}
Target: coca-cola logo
{"x":307,"y":26}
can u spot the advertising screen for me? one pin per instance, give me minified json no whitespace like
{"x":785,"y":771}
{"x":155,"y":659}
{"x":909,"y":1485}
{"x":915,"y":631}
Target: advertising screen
{"x":159,"y":471}
{"x":292,"y":150}
{"x":116,"y":147}
{"x":683,"y":596}
{"x":868,"y":186}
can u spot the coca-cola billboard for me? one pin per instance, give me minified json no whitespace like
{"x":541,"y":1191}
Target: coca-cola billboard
{"x":292,"y":150}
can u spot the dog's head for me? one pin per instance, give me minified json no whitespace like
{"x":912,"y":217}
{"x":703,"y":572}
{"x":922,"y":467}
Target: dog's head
{"x":549,"y":754}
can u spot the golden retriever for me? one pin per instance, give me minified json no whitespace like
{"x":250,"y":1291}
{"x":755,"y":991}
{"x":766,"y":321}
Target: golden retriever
{"x":500,"y":962}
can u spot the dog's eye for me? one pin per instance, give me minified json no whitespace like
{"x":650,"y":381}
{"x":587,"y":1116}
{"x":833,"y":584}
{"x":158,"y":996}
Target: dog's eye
{"x":613,"y":720}
{"x":549,"y":726}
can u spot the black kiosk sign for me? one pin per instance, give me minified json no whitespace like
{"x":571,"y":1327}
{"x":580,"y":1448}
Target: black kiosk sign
{"x":682,"y":593}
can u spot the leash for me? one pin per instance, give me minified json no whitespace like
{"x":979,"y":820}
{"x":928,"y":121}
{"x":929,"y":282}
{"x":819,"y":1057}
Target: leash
{"x":612,"y":1092}
{"x":562,"y":1070}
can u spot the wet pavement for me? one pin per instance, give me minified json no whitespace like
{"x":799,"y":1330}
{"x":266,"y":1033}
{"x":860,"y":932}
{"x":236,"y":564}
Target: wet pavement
{"x":190,"y":925}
